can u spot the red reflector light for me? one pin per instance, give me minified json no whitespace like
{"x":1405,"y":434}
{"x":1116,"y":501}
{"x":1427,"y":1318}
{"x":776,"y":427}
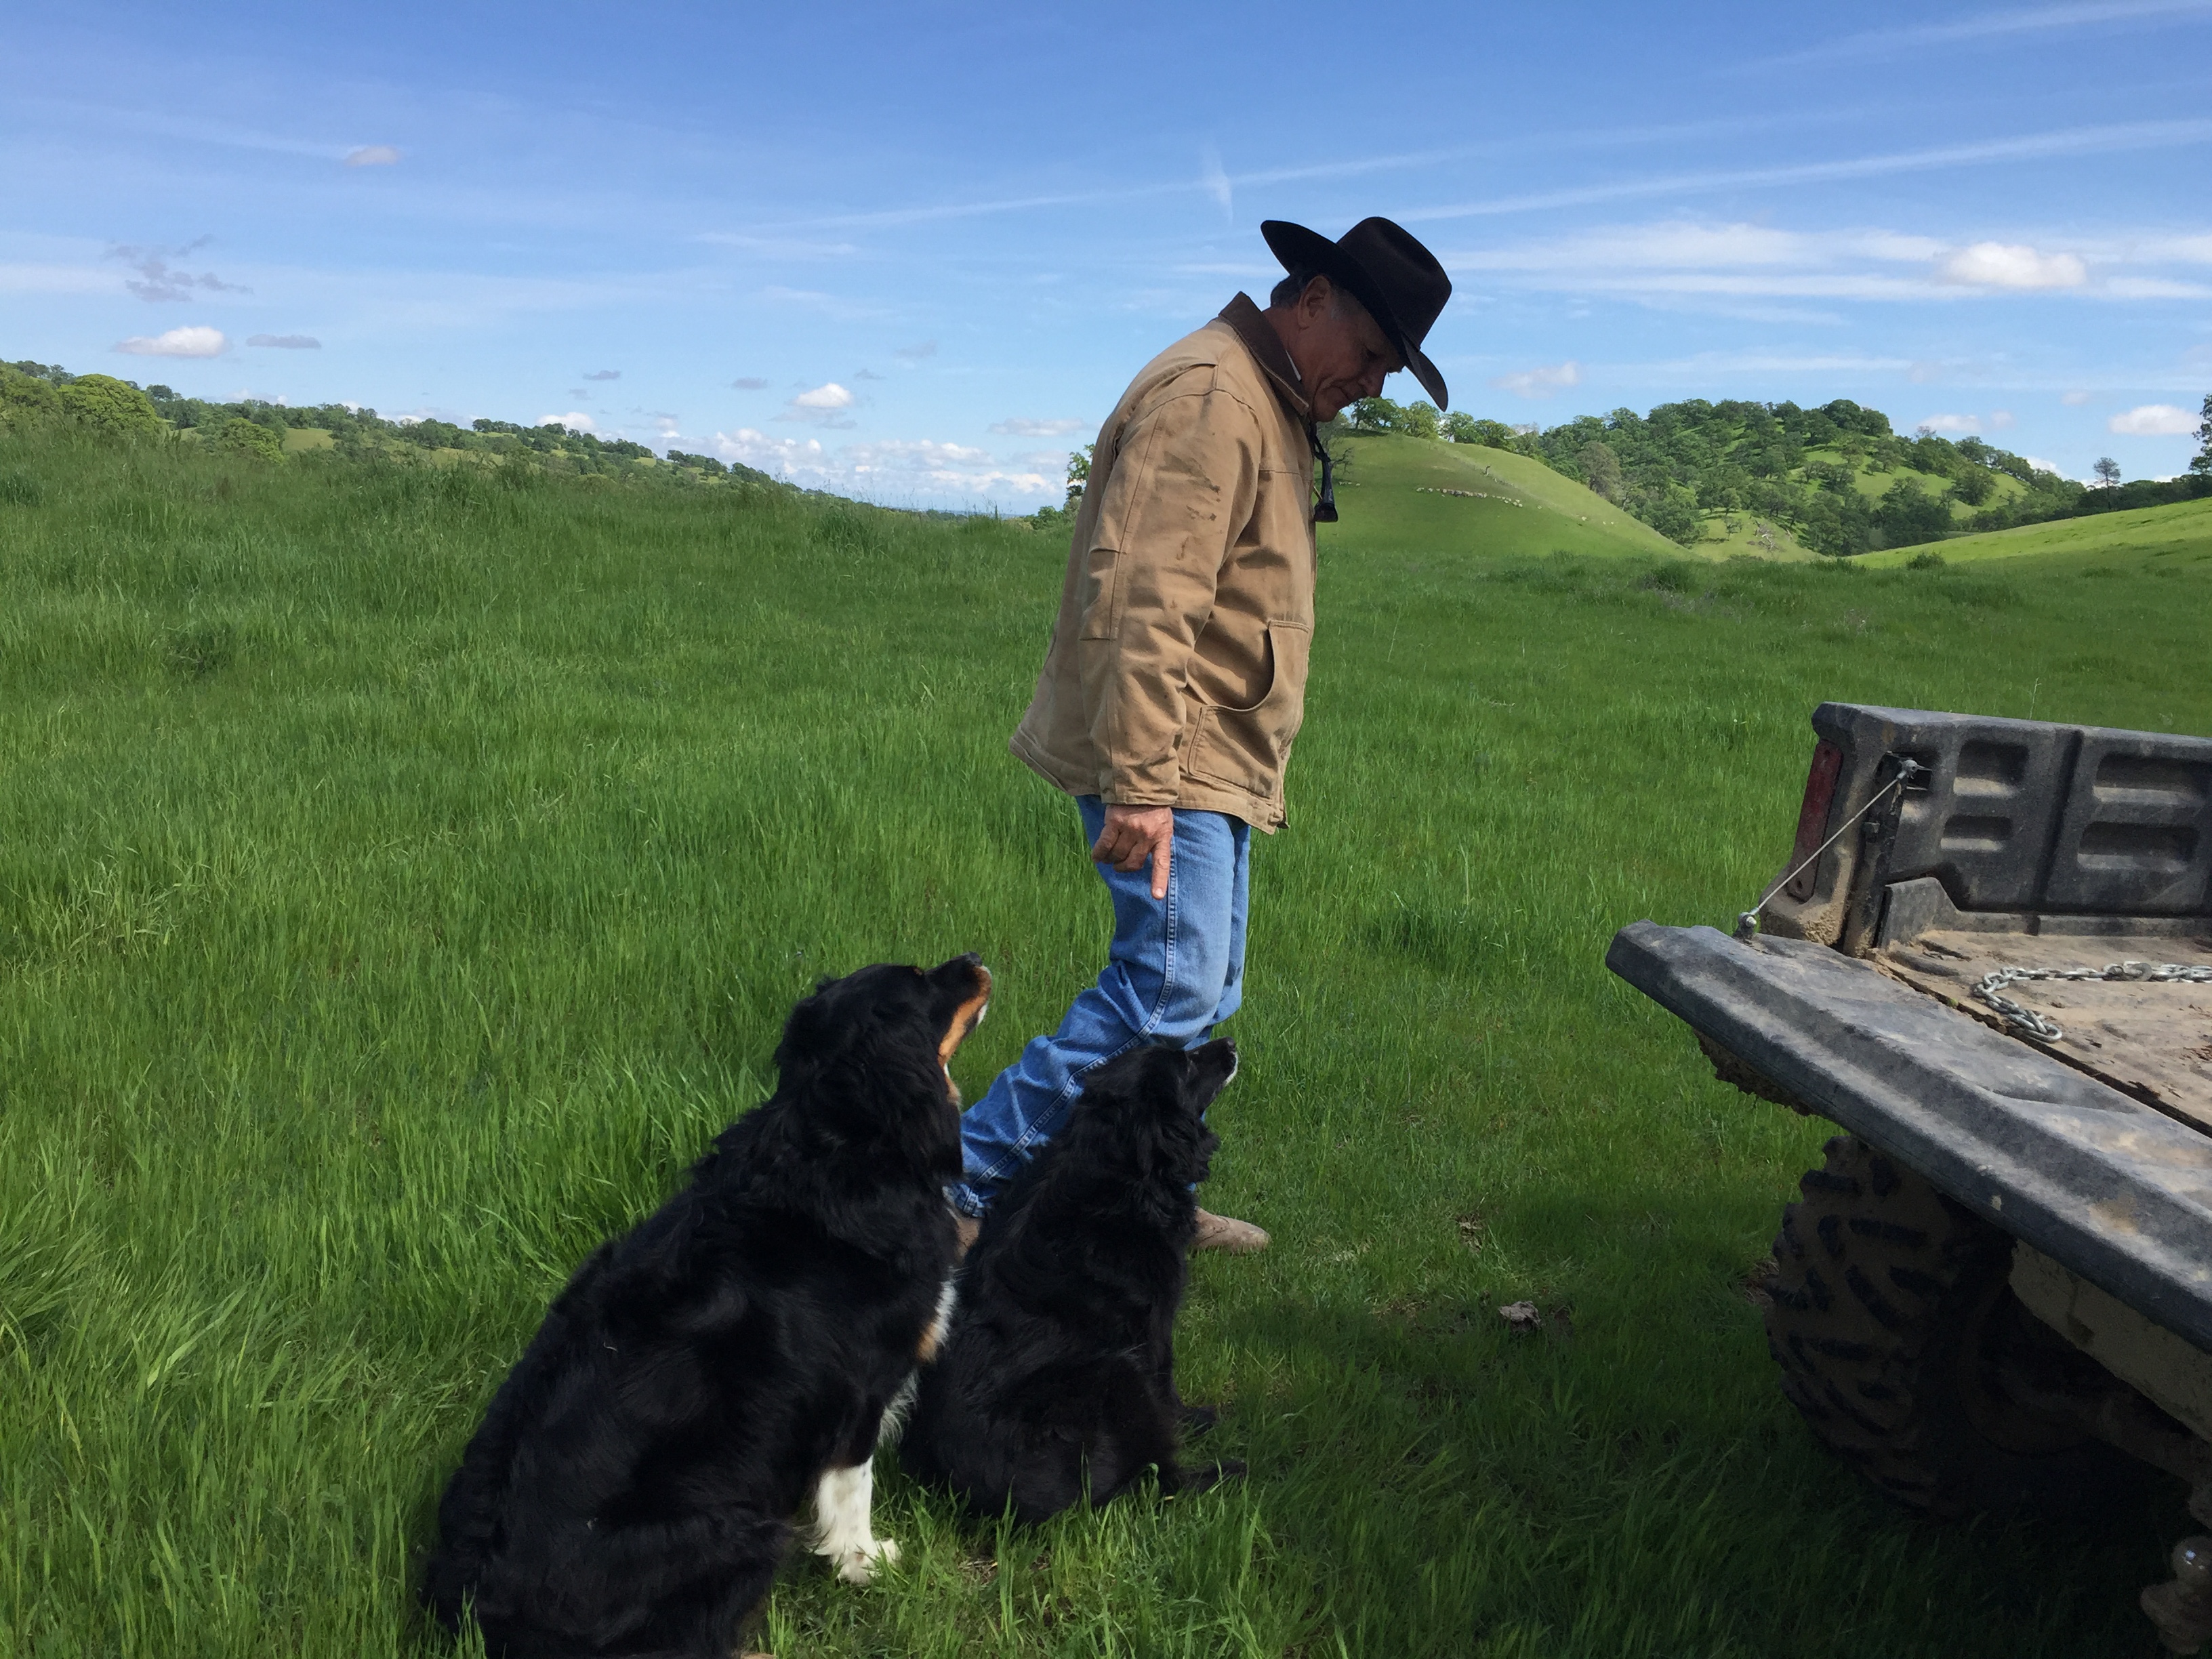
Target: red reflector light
{"x":1813,"y":817}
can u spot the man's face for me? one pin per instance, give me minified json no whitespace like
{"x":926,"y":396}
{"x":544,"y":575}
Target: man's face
{"x":1341,"y":352}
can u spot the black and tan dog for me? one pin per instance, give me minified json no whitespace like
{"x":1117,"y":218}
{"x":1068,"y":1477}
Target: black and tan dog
{"x":632,"y":1488}
{"x":1058,"y":1378}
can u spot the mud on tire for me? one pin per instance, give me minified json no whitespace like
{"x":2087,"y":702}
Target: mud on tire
{"x":1888,"y":1309}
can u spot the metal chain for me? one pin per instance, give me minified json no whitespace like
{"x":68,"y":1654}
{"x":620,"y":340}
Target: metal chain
{"x":1990,"y":989}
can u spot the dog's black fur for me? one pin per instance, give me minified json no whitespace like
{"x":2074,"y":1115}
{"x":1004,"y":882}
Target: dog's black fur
{"x":1059,"y":1375}
{"x":631,"y":1489}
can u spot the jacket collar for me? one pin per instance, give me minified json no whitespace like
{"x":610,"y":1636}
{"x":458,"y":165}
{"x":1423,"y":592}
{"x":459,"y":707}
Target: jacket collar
{"x":1259,"y":338}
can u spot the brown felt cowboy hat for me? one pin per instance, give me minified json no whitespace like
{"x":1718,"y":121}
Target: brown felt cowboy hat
{"x":1397,"y":279}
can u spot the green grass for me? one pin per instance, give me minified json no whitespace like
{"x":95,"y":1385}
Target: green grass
{"x":403,"y":874}
{"x":2181,"y":531}
{"x":1515,"y":504}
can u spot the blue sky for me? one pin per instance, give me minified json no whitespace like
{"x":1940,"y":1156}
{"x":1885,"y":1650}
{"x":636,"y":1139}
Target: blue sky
{"x":913,"y":252}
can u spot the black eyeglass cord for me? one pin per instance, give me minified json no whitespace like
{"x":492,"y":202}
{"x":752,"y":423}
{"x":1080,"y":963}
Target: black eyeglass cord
{"x":1325,"y":508}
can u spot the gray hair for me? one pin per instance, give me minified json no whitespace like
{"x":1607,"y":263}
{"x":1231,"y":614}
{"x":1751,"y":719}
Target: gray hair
{"x":1285,"y":293}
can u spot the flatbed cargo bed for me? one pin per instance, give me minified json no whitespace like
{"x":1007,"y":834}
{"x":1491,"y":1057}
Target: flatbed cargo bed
{"x":2114,"y":1189}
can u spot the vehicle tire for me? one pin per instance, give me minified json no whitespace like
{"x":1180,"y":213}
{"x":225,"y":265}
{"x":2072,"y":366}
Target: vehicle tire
{"x":1888,"y":1310}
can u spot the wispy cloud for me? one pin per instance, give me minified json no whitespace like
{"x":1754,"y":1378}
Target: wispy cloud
{"x":1020,"y":427}
{"x":1541,"y":382}
{"x":2071,"y":141}
{"x":1215,"y":182}
{"x":1207,"y":183}
{"x":605,"y":374}
{"x":1689,"y":260}
{"x":191,"y":342}
{"x":157,"y":280}
{"x":286,"y":342}
{"x":576,"y":420}
{"x":915,"y":354}
{"x":1968,"y":423}
{"x":372,"y":155}
{"x":1994,"y":26}
{"x":749,"y":383}
{"x":829,"y":304}
{"x":781,"y":248}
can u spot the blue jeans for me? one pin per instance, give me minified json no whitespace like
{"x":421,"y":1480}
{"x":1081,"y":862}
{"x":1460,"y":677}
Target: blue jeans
{"x":1176,"y":970}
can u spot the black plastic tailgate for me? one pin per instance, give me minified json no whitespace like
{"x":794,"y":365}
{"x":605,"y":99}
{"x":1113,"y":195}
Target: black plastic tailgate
{"x":2102,"y":1183}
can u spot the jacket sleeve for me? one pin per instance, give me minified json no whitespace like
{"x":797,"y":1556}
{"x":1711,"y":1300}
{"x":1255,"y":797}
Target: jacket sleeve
{"x":1185,"y":477}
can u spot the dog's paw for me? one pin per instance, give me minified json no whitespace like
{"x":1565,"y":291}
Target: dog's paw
{"x":1198,"y":1477}
{"x":858,"y":1565}
{"x":1197,"y":1420}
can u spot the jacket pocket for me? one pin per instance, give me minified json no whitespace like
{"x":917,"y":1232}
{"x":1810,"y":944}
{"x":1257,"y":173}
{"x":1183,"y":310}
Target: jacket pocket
{"x":1247,"y":748}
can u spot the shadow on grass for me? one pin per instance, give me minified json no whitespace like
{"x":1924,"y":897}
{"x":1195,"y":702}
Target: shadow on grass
{"x":1455,"y":1487}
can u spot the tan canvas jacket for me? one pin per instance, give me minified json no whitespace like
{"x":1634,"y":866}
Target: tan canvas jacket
{"x":1176,"y":674}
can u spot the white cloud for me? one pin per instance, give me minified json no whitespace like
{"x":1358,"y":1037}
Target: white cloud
{"x":2000,"y":420}
{"x":2042,"y":465}
{"x":286,"y":342}
{"x":1019,"y":427}
{"x":372,"y":155}
{"x":177,"y":342}
{"x":2154,"y":421}
{"x":1951,"y":423}
{"x":898,"y":470}
{"x":1541,"y":382}
{"x":2004,"y":264}
{"x":575,"y":418}
{"x":2075,"y":400}
{"x":824,"y":405}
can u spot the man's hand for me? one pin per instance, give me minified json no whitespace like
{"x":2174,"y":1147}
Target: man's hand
{"x":1134,"y":833}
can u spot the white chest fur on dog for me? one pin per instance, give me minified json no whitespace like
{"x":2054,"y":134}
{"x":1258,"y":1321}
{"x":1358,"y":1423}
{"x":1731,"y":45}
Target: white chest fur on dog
{"x":843,"y":1498}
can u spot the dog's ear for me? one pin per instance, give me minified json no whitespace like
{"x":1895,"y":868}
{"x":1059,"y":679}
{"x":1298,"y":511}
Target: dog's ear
{"x":809,"y":1032}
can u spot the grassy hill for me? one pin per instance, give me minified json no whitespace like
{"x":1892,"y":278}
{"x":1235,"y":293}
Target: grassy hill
{"x":1410,"y":494}
{"x":404,"y":870}
{"x":1777,"y":479}
{"x":2184,"y":528}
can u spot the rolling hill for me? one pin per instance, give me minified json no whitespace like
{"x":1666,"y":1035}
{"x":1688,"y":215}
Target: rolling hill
{"x":1401,"y":493}
{"x":2182,"y":528}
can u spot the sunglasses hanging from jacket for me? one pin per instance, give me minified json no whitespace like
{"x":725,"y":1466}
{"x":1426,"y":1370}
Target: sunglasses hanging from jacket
{"x":1325,"y":508}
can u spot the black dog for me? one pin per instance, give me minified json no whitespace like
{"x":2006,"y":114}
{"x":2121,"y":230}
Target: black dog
{"x":631,"y":1490}
{"x":1059,"y":1375}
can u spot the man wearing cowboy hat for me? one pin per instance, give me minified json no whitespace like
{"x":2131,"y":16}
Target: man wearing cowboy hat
{"x":1176,"y":679}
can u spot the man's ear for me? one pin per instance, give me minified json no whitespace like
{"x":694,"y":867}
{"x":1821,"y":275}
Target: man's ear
{"x":1319,"y":297}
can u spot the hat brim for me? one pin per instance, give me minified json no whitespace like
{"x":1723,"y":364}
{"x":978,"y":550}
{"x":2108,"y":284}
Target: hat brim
{"x":1295,"y":246}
